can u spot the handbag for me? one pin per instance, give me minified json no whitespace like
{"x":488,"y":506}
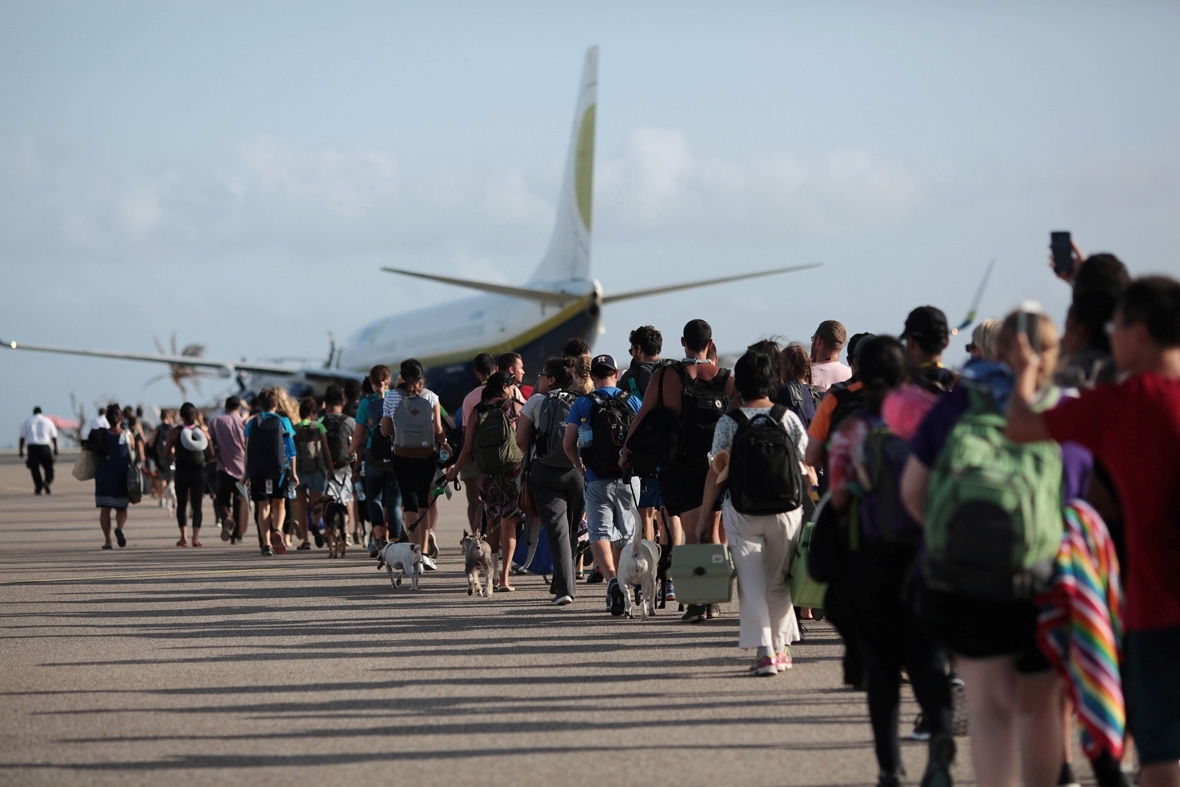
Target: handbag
{"x":805,"y":591}
{"x":136,"y":485}
{"x":85,"y":465}
{"x":524,"y":501}
{"x":828,"y":548}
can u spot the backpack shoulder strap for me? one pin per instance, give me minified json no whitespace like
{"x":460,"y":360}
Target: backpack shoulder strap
{"x":623,"y":396}
{"x":739,"y":416}
{"x":776,"y":414}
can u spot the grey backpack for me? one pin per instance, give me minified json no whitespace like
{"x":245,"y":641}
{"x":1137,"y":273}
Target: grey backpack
{"x":413,"y":423}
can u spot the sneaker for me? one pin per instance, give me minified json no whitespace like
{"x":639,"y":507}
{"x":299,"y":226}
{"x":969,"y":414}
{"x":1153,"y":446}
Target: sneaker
{"x":888,"y":779}
{"x":227,"y":529}
{"x":562,"y":601}
{"x":764,"y":667}
{"x":1066,"y":777}
{"x":276,"y":543}
{"x":595,"y":577}
{"x":432,"y":549}
{"x":429,"y":564}
{"x":374,"y":548}
{"x":615,"y":594}
{"x":303,"y":547}
{"x":319,"y":538}
{"x":671,"y":596}
{"x":713,"y":611}
{"x":921,"y":730}
{"x":695,"y":613}
{"x":782,"y":659}
{"x":938,"y":768}
{"x":266,"y":551}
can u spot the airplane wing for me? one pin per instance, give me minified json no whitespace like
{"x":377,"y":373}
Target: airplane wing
{"x":527,"y":293}
{"x":225,"y":368}
{"x":623,"y":296}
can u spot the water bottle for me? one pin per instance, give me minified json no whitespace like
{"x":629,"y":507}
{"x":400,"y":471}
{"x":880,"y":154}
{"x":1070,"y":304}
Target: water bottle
{"x":585,"y":436}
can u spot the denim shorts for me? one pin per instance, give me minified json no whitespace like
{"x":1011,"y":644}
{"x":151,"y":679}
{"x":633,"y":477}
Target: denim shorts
{"x":1151,"y":683}
{"x":610,"y":511}
{"x":315,"y":483}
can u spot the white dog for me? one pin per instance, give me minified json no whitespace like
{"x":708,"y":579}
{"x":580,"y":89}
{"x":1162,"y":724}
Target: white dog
{"x":638,"y":563}
{"x":406,"y":558}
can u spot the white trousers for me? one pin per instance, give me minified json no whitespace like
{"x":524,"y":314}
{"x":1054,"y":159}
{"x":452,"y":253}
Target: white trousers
{"x":761,"y":547}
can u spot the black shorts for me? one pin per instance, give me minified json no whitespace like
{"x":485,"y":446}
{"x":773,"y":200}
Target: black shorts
{"x":415,"y":477}
{"x":681,"y":491}
{"x":268,"y":489}
{"x":980,"y":629}
{"x":1151,"y":685}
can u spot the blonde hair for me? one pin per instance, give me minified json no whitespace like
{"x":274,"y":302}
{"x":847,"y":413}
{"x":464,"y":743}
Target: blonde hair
{"x":581,"y":372}
{"x":285,"y":404}
{"x":1043,"y":336}
{"x":984,"y":338}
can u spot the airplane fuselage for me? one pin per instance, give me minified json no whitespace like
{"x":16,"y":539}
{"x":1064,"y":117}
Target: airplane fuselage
{"x":446,"y":338}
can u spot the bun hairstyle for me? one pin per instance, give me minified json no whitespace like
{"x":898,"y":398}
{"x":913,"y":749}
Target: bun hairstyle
{"x":497,"y":386}
{"x":754,"y":376}
{"x":881,"y":362}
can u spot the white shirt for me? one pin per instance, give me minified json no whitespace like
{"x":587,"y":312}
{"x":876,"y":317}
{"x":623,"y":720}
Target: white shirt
{"x":38,"y":430}
{"x":825,"y":374}
{"x":97,"y":422}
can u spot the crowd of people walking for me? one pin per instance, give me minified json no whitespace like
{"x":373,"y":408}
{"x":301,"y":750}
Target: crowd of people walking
{"x":1011,"y":528}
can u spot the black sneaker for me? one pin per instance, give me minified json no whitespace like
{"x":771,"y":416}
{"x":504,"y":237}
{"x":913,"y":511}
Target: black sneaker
{"x":1066,"y":778}
{"x":938,"y":769}
{"x":319,"y":538}
{"x":267,"y":551}
{"x":617,"y":602}
{"x":595,"y":577}
{"x":695,"y":613}
{"x":888,"y":779}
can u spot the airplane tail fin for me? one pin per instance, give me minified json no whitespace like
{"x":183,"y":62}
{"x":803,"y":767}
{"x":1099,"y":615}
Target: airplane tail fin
{"x":568,"y":255}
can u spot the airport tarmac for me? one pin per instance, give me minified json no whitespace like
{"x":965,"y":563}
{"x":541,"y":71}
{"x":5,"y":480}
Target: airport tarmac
{"x":155,"y":664}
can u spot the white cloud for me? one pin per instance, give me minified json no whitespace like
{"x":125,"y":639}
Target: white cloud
{"x":659,"y":185}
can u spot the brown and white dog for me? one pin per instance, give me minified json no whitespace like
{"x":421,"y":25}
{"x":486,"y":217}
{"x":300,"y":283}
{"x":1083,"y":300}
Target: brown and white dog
{"x":478,"y":556}
{"x":405,"y":557}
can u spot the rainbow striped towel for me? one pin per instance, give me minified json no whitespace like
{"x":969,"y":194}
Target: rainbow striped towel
{"x":1080,"y":628}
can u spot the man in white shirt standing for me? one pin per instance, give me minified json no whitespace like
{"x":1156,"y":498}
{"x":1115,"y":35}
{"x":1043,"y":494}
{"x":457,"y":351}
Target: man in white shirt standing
{"x":826,"y":344}
{"x":38,"y":434}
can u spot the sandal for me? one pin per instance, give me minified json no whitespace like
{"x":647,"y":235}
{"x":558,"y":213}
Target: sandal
{"x":182,"y":542}
{"x":120,"y":538}
{"x":196,"y":543}
{"x":106,"y":546}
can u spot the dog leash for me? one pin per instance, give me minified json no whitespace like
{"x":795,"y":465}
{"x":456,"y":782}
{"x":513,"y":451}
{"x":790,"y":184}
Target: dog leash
{"x":435,"y":494}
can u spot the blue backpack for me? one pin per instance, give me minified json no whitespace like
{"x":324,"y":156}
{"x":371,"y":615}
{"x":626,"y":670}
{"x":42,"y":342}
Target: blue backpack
{"x":877,"y":491}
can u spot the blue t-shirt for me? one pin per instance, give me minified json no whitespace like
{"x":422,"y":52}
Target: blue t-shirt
{"x":580,"y":411}
{"x":370,"y":403}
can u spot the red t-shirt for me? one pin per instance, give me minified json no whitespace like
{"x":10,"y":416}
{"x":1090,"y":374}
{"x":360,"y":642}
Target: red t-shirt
{"x":1134,"y":428}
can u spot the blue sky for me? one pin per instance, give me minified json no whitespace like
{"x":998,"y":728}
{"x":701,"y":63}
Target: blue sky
{"x":236,"y":173}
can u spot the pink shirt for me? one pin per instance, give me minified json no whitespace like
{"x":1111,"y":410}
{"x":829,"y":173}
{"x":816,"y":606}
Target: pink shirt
{"x":828,"y":373}
{"x":469,"y":403}
{"x":230,"y":439}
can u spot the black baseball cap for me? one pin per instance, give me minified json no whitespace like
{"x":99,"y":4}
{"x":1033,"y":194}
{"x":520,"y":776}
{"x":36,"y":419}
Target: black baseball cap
{"x":927,"y":326}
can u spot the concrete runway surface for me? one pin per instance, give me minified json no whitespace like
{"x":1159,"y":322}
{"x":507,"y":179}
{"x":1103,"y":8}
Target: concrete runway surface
{"x":160,"y":665}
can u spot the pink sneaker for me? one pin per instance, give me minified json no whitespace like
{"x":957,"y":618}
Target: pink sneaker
{"x":765,"y":666}
{"x":782,"y":660}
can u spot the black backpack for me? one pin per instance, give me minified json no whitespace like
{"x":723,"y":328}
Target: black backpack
{"x":610,"y":419}
{"x":702,"y":403}
{"x":339,"y":437}
{"x":549,"y":431}
{"x":650,"y":445}
{"x":764,"y":474}
{"x":266,"y":453}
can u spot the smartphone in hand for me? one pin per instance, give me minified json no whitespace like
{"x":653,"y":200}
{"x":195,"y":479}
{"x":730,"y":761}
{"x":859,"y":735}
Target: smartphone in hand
{"x":1062,"y":248}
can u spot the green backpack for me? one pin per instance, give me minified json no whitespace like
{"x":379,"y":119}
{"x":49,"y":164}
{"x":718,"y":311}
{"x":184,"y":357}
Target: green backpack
{"x":993,"y":510}
{"x":495,"y":448}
